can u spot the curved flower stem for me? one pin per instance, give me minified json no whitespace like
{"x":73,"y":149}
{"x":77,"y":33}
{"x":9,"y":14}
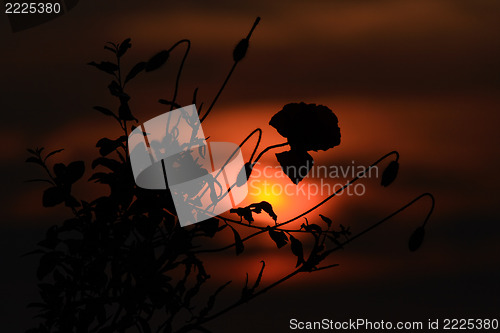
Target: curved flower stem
{"x":352,"y":181}
{"x":232,"y":155}
{"x":219,"y":92}
{"x":323,"y":255}
{"x":256,"y":145}
{"x":179,"y":72}
{"x":228,"y":75}
{"x":269,"y":148}
{"x":388,"y":217}
{"x":433,"y":204}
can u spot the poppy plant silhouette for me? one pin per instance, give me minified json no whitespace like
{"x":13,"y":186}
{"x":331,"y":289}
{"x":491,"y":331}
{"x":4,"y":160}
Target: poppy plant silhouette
{"x":170,"y":151}
{"x":123,"y":263}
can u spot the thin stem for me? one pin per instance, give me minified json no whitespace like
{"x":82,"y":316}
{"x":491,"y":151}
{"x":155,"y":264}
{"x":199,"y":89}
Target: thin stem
{"x":179,"y":72}
{"x":219,"y":92}
{"x":352,"y":181}
{"x":256,"y":145}
{"x":119,"y":69}
{"x":232,"y":155}
{"x":325,"y":267}
{"x":122,"y":87}
{"x":269,"y":148}
{"x":257,"y":20}
{"x":240,"y":302}
{"x":324,"y":255}
{"x":433,"y":204}
{"x":388,"y":217}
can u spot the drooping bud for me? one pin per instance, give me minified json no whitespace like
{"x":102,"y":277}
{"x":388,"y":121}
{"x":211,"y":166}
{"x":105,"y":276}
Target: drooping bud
{"x":390,"y":173}
{"x":416,"y":239}
{"x":240,"y":50}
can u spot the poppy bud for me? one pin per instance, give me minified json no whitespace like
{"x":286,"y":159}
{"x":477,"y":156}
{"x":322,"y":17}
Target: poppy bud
{"x":390,"y":174}
{"x":416,"y":239}
{"x":157,"y":60}
{"x":240,"y":50}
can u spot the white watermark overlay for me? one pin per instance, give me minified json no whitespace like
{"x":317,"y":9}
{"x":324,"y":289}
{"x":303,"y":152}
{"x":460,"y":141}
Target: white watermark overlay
{"x":318,"y":180}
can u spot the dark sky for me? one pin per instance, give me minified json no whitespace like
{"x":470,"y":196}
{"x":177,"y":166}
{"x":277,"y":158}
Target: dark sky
{"x":422,"y":77}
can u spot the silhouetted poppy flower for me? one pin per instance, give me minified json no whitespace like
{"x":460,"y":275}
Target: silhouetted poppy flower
{"x":295,"y":164}
{"x":307,"y":126}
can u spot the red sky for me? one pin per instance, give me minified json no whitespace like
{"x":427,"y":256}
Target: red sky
{"x":421,"y":77}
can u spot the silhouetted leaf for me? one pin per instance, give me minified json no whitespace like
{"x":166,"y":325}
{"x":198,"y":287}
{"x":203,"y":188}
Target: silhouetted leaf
{"x":107,"y":146}
{"x":295,"y":164}
{"x":314,"y":228}
{"x":109,"y":49}
{"x":101,"y":177}
{"x":157,"y":61}
{"x":244,"y":212}
{"x":124,"y":112}
{"x":53,"y":196}
{"x":139,"y":67}
{"x":326,"y":219}
{"x":124,"y":46}
{"x":297,"y":249}
{"x":75,"y":171}
{"x":47,"y":264}
{"x":115,"y":89}
{"x":240,"y":50}
{"x":109,"y":163}
{"x":346,"y":231}
{"x":390,"y":173}
{"x":105,"y":66}
{"x":52,"y":153}
{"x":416,"y":239}
{"x":60,"y":171}
{"x":105,"y":111}
{"x":35,"y":160}
{"x":307,"y":126}
{"x":279,"y":237}
{"x":51,"y":238}
{"x":71,"y":201}
{"x":237,"y":241}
